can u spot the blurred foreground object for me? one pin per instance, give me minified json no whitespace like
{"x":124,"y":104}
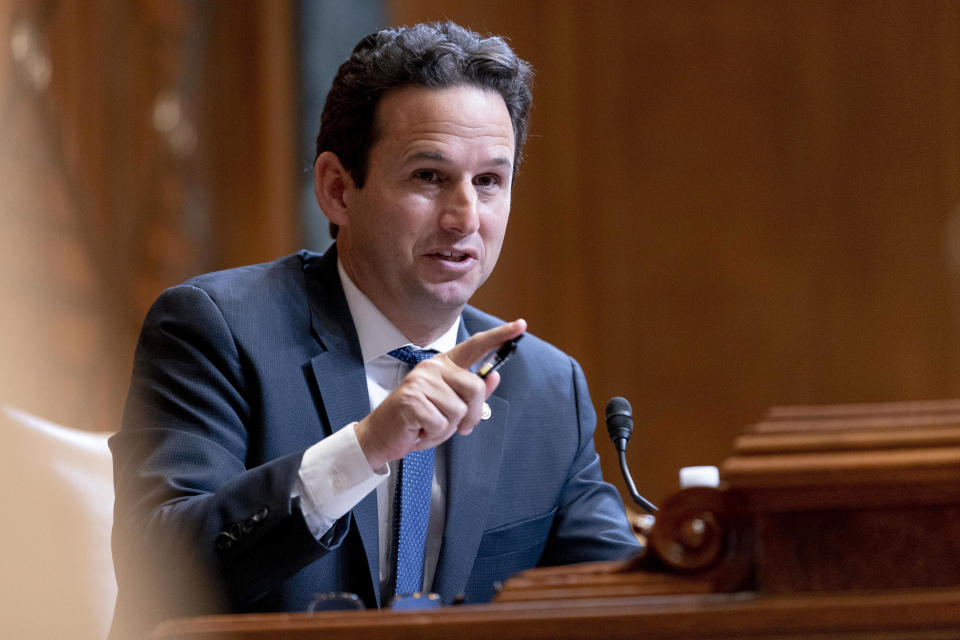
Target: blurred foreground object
{"x":57,"y":489}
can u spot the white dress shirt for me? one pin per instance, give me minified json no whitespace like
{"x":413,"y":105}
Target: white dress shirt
{"x":334,"y":473}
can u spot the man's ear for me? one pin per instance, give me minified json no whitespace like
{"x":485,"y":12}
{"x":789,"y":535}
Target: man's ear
{"x":331,"y":181}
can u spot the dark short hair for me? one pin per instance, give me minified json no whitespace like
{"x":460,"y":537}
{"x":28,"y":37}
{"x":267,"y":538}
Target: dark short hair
{"x":432,"y":55}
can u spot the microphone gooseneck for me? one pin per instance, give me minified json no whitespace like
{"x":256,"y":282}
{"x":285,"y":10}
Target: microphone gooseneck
{"x":619,"y":418}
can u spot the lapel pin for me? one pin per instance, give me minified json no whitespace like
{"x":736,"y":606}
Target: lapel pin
{"x":485,"y":412}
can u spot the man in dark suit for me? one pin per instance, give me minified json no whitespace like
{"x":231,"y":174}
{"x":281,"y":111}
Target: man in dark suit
{"x":280,"y":438}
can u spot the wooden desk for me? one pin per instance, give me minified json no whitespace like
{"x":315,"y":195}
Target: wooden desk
{"x":831,"y":522}
{"x":900,"y":615}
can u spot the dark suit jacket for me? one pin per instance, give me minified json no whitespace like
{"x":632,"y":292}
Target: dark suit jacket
{"x":237,"y":373}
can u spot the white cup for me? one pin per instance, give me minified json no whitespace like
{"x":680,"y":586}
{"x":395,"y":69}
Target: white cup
{"x":699,"y":477}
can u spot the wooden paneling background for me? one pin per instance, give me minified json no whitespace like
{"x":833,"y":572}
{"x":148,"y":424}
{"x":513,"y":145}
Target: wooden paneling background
{"x":730,"y":205}
{"x":726,"y":205}
{"x":140,"y":143}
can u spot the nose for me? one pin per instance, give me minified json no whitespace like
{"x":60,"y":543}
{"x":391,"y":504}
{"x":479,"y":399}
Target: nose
{"x":460,"y":213}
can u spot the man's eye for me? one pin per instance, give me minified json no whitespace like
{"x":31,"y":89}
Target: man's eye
{"x":487,"y":181}
{"x":427,"y":175}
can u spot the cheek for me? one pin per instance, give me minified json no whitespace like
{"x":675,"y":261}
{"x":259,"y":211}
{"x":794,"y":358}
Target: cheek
{"x":409,"y":215}
{"x":493,"y":229}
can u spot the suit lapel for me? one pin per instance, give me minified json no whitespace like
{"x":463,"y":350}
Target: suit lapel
{"x":341,"y":382}
{"x":473,"y":466}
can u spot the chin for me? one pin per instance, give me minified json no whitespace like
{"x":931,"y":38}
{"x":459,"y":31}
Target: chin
{"x":447,"y":297}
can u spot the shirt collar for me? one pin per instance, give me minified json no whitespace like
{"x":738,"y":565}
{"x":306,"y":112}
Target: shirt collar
{"x":376,"y":333}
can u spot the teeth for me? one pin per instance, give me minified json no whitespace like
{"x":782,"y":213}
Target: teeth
{"x":451,"y":254}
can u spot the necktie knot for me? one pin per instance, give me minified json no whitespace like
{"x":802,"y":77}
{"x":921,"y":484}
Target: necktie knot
{"x":411,"y":355}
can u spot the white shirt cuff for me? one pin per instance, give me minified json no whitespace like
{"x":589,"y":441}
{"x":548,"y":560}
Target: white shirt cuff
{"x":334,"y":477}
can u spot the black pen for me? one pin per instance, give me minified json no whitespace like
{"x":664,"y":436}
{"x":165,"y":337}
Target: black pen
{"x":496,"y":359}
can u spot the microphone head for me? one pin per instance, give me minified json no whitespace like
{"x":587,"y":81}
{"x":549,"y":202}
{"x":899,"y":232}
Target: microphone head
{"x":619,"y":418}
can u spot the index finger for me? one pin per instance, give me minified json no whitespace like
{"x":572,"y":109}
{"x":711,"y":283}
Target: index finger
{"x":478,"y":345}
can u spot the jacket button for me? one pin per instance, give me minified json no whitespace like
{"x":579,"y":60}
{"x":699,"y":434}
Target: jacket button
{"x":261,"y":514}
{"x":224,"y":540}
{"x":235,"y":531}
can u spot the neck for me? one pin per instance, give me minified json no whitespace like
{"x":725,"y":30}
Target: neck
{"x":420,"y":331}
{"x":420,"y":324}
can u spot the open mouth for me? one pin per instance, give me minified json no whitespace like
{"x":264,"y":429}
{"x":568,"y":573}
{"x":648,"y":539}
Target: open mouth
{"x":453,"y":256}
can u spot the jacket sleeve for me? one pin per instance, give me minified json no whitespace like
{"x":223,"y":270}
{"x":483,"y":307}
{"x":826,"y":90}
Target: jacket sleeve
{"x":591,"y":522}
{"x":195,"y":530}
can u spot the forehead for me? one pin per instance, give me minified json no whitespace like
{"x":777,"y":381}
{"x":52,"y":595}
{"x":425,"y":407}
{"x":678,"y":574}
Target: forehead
{"x":417,"y":116}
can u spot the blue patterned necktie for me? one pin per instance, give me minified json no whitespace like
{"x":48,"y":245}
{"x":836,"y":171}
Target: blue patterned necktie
{"x":411,"y":502}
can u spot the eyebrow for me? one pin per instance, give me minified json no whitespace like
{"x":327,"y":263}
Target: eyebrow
{"x":437,"y":156}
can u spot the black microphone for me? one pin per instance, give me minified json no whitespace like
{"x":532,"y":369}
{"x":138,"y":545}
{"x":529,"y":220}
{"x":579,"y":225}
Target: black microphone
{"x":620,"y":427}
{"x":619,"y":422}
